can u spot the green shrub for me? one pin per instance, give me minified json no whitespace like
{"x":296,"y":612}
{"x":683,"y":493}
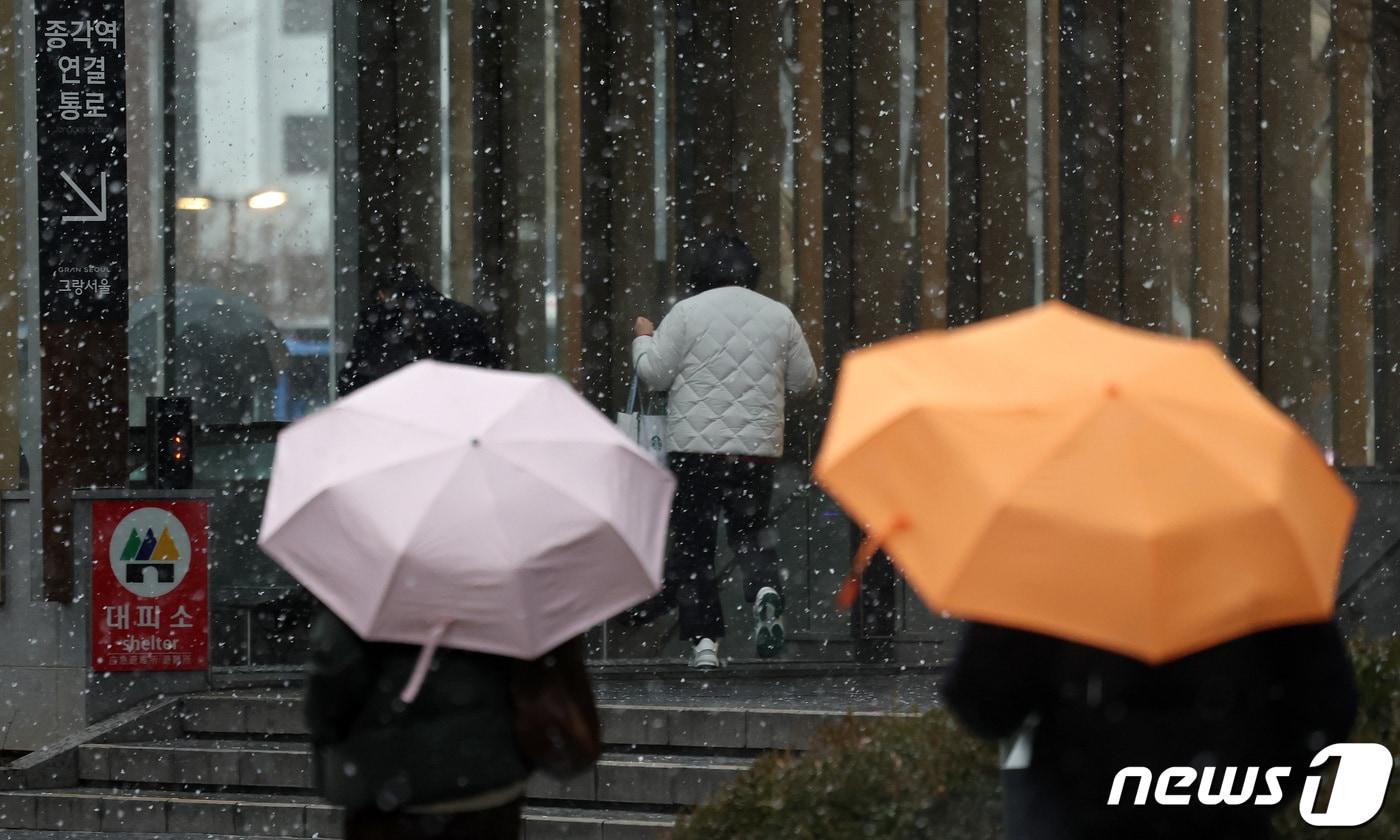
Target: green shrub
{"x":888,"y":778}
{"x":1377,"y":666}
{"x":922,"y":777}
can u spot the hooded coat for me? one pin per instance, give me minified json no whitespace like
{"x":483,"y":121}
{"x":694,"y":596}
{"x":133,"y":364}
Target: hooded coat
{"x":729,"y":357}
{"x":411,"y":320}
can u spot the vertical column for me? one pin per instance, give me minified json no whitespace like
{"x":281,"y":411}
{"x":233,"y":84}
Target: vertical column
{"x":1155,"y":221}
{"x":759,"y":140}
{"x":1288,"y":120}
{"x":933,"y":163}
{"x":1005,"y":239}
{"x":838,"y":179}
{"x":376,"y":170}
{"x":810,"y":244}
{"x":882,"y":244}
{"x":1246,"y":186}
{"x":11,"y":232}
{"x":491,"y":197}
{"x":1386,"y":102}
{"x":1054,"y":286}
{"x":705,"y":117}
{"x":345,"y":98}
{"x":964,"y":163}
{"x":596,"y":245}
{"x":1210,"y":150}
{"x":530,"y":174}
{"x":568,"y":30}
{"x":1351,"y":225}
{"x":636,"y":284}
{"x":461,"y":155}
{"x":882,"y":261}
{"x":420,"y":114}
{"x":1092,"y":115}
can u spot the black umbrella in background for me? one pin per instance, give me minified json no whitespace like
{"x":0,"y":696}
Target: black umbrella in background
{"x":228,"y":354}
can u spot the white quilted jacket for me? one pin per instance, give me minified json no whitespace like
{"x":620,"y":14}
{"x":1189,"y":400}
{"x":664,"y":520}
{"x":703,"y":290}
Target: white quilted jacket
{"x":728,"y":357}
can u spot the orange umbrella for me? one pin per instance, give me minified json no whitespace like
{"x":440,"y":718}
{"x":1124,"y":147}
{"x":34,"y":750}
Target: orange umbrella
{"x":1060,"y":473}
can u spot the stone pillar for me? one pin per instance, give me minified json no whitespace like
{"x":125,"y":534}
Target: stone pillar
{"x":1210,"y":149}
{"x":1288,"y":161}
{"x":1156,"y":198}
{"x":1386,"y":41}
{"x":637,"y":281}
{"x":1092,"y":120}
{"x":933,"y":163}
{"x":1007,"y":283}
{"x":759,"y":143}
{"x":1352,"y":219}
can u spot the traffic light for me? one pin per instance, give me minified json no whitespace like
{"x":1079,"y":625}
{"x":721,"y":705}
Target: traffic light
{"x":169,"y":443}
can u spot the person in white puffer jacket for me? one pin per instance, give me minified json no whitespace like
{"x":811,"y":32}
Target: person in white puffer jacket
{"x":729,"y":357}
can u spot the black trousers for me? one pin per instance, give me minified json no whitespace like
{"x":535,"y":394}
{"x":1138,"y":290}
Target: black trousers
{"x":740,"y":489}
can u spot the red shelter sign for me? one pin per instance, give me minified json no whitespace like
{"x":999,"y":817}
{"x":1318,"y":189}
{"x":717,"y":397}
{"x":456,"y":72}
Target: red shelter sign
{"x":150,"y":585}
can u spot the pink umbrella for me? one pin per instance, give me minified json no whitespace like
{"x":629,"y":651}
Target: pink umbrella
{"x":488,"y":511}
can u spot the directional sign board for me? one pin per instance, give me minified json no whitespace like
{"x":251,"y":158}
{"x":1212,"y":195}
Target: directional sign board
{"x":80,"y":81}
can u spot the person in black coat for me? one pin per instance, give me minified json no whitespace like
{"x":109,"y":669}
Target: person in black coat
{"x":1271,"y":699}
{"x":447,"y":765}
{"x":406,"y":319}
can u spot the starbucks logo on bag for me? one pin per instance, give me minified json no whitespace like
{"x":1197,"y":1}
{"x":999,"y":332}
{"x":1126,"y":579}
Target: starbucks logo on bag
{"x":150,"y":552}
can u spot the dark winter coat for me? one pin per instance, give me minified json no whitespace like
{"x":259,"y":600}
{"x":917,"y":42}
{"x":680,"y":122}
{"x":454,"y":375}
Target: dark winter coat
{"x":411,"y":320}
{"x":454,"y":741}
{"x":1271,"y":699}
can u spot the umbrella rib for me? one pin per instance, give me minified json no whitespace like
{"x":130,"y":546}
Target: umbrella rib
{"x":505,"y":412}
{"x":1169,"y":424}
{"x":602,"y":520}
{"x":1054,"y":452}
{"x":583,"y":500}
{"x":346,"y":404}
{"x":427,"y":510}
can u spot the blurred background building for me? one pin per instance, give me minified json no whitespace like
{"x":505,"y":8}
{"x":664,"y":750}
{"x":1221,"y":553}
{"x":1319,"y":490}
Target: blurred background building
{"x":1212,"y":168}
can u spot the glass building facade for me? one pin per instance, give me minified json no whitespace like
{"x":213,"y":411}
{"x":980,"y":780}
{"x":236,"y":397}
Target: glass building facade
{"x":1216,"y":169}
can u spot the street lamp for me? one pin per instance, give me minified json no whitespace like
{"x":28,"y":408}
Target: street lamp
{"x":263,"y":200}
{"x":267,"y":200}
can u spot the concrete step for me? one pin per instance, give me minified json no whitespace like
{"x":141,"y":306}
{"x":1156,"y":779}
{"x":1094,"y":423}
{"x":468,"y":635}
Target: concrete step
{"x":238,"y":714}
{"x":191,"y":764}
{"x":195,"y":763}
{"x":262,"y":815}
{"x":142,"y":812}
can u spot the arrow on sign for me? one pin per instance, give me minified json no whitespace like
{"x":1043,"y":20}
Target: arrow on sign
{"x":99,"y":214}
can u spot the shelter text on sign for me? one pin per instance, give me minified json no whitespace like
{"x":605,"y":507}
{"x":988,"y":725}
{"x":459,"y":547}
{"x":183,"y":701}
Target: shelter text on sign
{"x":150,"y":586}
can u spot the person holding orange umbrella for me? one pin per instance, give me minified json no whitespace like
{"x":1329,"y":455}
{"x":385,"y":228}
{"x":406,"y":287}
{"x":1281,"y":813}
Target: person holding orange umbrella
{"x":1148,"y":551}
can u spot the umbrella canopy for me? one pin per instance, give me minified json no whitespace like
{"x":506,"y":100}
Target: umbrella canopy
{"x":496,"y":512}
{"x":1059,"y":473}
{"x":228,"y":353}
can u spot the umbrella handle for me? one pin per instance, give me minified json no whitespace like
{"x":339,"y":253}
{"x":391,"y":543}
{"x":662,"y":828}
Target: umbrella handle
{"x":846,"y":598}
{"x":425,"y":661}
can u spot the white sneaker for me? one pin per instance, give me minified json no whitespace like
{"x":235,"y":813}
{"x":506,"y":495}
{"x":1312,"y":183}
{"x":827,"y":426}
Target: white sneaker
{"x":768,"y":623}
{"x":705,"y":655}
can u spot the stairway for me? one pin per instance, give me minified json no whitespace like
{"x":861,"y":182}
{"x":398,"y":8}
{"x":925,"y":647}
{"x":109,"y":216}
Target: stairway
{"x":237,"y":763}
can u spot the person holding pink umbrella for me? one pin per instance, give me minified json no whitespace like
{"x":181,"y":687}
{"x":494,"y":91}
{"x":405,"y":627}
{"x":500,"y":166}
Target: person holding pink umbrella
{"x":495,"y":515}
